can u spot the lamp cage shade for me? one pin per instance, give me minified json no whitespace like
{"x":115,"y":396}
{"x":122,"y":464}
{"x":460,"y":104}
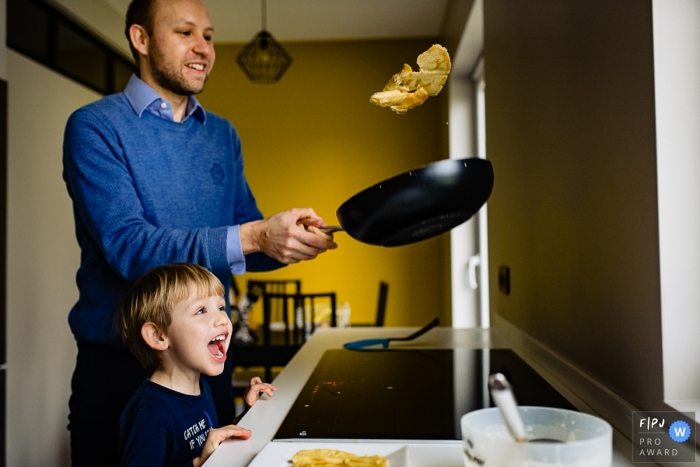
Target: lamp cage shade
{"x":263,"y":59}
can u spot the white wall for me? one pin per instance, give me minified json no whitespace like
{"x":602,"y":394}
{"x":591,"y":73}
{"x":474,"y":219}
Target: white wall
{"x":462,"y":142}
{"x":463,"y":239}
{"x":43,"y":256}
{"x":677,"y":97}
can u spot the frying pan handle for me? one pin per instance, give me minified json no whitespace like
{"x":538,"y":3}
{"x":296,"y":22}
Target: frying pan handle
{"x":329,"y":229}
{"x":324,"y":232}
{"x":366,"y":343}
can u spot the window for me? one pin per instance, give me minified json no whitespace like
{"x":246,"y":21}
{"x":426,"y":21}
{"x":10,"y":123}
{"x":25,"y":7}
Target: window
{"x":40,"y":32}
{"x":676,"y":75}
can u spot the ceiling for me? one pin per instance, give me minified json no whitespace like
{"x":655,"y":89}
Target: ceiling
{"x":309,"y":20}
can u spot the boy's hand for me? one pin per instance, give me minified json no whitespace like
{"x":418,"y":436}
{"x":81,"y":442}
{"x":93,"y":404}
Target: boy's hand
{"x":256,"y":387}
{"x":215,"y":437}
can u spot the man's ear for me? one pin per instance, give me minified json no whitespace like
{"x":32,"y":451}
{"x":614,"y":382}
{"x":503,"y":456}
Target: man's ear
{"x":154,"y":337}
{"x":139,"y":38}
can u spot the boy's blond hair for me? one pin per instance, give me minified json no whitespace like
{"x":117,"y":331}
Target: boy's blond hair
{"x":152,"y":299}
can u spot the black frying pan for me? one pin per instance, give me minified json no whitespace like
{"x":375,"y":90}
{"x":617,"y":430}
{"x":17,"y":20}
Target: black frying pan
{"x":418,"y":204}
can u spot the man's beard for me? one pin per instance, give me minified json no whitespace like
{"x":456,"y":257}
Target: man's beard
{"x":169,"y":78}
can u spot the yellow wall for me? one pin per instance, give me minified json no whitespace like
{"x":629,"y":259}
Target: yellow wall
{"x":314,"y":140}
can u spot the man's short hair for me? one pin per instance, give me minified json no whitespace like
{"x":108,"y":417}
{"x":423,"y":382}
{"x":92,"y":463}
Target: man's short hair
{"x":139,"y":12}
{"x":153,"y":297}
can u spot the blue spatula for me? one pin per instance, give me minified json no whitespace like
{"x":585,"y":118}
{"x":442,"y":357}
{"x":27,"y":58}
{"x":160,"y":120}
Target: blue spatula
{"x":385,"y":342}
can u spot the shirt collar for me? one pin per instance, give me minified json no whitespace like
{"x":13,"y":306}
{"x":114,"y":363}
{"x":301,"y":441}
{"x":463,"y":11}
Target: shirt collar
{"x":143,"y":97}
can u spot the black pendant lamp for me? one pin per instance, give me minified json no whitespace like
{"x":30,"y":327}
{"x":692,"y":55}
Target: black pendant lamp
{"x":264,"y":60}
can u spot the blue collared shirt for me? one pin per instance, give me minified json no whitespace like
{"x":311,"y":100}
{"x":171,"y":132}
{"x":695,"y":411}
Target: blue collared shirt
{"x":142,"y":98}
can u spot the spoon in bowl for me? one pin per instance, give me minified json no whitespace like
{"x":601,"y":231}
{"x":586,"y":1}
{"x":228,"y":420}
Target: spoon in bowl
{"x":505,"y":401}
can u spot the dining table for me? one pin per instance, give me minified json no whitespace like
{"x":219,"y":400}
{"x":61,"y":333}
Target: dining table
{"x":268,"y":414}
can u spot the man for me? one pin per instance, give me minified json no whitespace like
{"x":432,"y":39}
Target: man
{"x":156,"y":179}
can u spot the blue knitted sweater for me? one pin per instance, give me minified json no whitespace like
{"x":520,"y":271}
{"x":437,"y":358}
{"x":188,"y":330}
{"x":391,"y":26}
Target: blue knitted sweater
{"x":147,"y":191}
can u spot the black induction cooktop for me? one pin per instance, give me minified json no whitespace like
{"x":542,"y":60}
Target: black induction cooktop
{"x":406,"y":394}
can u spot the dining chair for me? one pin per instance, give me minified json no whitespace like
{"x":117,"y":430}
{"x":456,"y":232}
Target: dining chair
{"x":381,"y":307}
{"x":249,"y":356}
{"x":288,"y":320}
{"x":381,"y":303}
{"x":298,"y":311}
{"x":276,"y":285}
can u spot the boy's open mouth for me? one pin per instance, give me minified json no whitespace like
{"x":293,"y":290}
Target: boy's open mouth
{"x":216,"y":346}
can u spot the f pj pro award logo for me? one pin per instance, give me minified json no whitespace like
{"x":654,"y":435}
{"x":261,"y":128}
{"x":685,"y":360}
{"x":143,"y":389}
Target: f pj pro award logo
{"x":664,"y":436}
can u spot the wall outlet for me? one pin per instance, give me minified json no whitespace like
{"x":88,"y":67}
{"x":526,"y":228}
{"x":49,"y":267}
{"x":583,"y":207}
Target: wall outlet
{"x":504,"y":280}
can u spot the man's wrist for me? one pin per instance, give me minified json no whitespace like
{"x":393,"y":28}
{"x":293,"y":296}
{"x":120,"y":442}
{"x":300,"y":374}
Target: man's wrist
{"x":250,"y":237}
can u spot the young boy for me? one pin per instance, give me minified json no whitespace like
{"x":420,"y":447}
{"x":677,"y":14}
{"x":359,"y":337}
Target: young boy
{"x":174,"y":321}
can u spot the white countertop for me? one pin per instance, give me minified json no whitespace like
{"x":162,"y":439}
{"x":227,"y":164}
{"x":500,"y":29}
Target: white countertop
{"x":266,"y":416}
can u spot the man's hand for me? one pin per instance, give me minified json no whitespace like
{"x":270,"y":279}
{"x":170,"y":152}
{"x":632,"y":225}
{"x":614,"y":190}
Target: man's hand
{"x":284,"y":238}
{"x":317,"y":231}
{"x":256,"y":387}
{"x":215,"y":437}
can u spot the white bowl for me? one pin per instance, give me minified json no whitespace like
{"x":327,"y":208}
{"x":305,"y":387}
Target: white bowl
{"x":487,"y":442}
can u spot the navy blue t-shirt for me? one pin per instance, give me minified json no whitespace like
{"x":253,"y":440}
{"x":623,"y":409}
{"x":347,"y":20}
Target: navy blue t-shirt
{"x":162,"y":427}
